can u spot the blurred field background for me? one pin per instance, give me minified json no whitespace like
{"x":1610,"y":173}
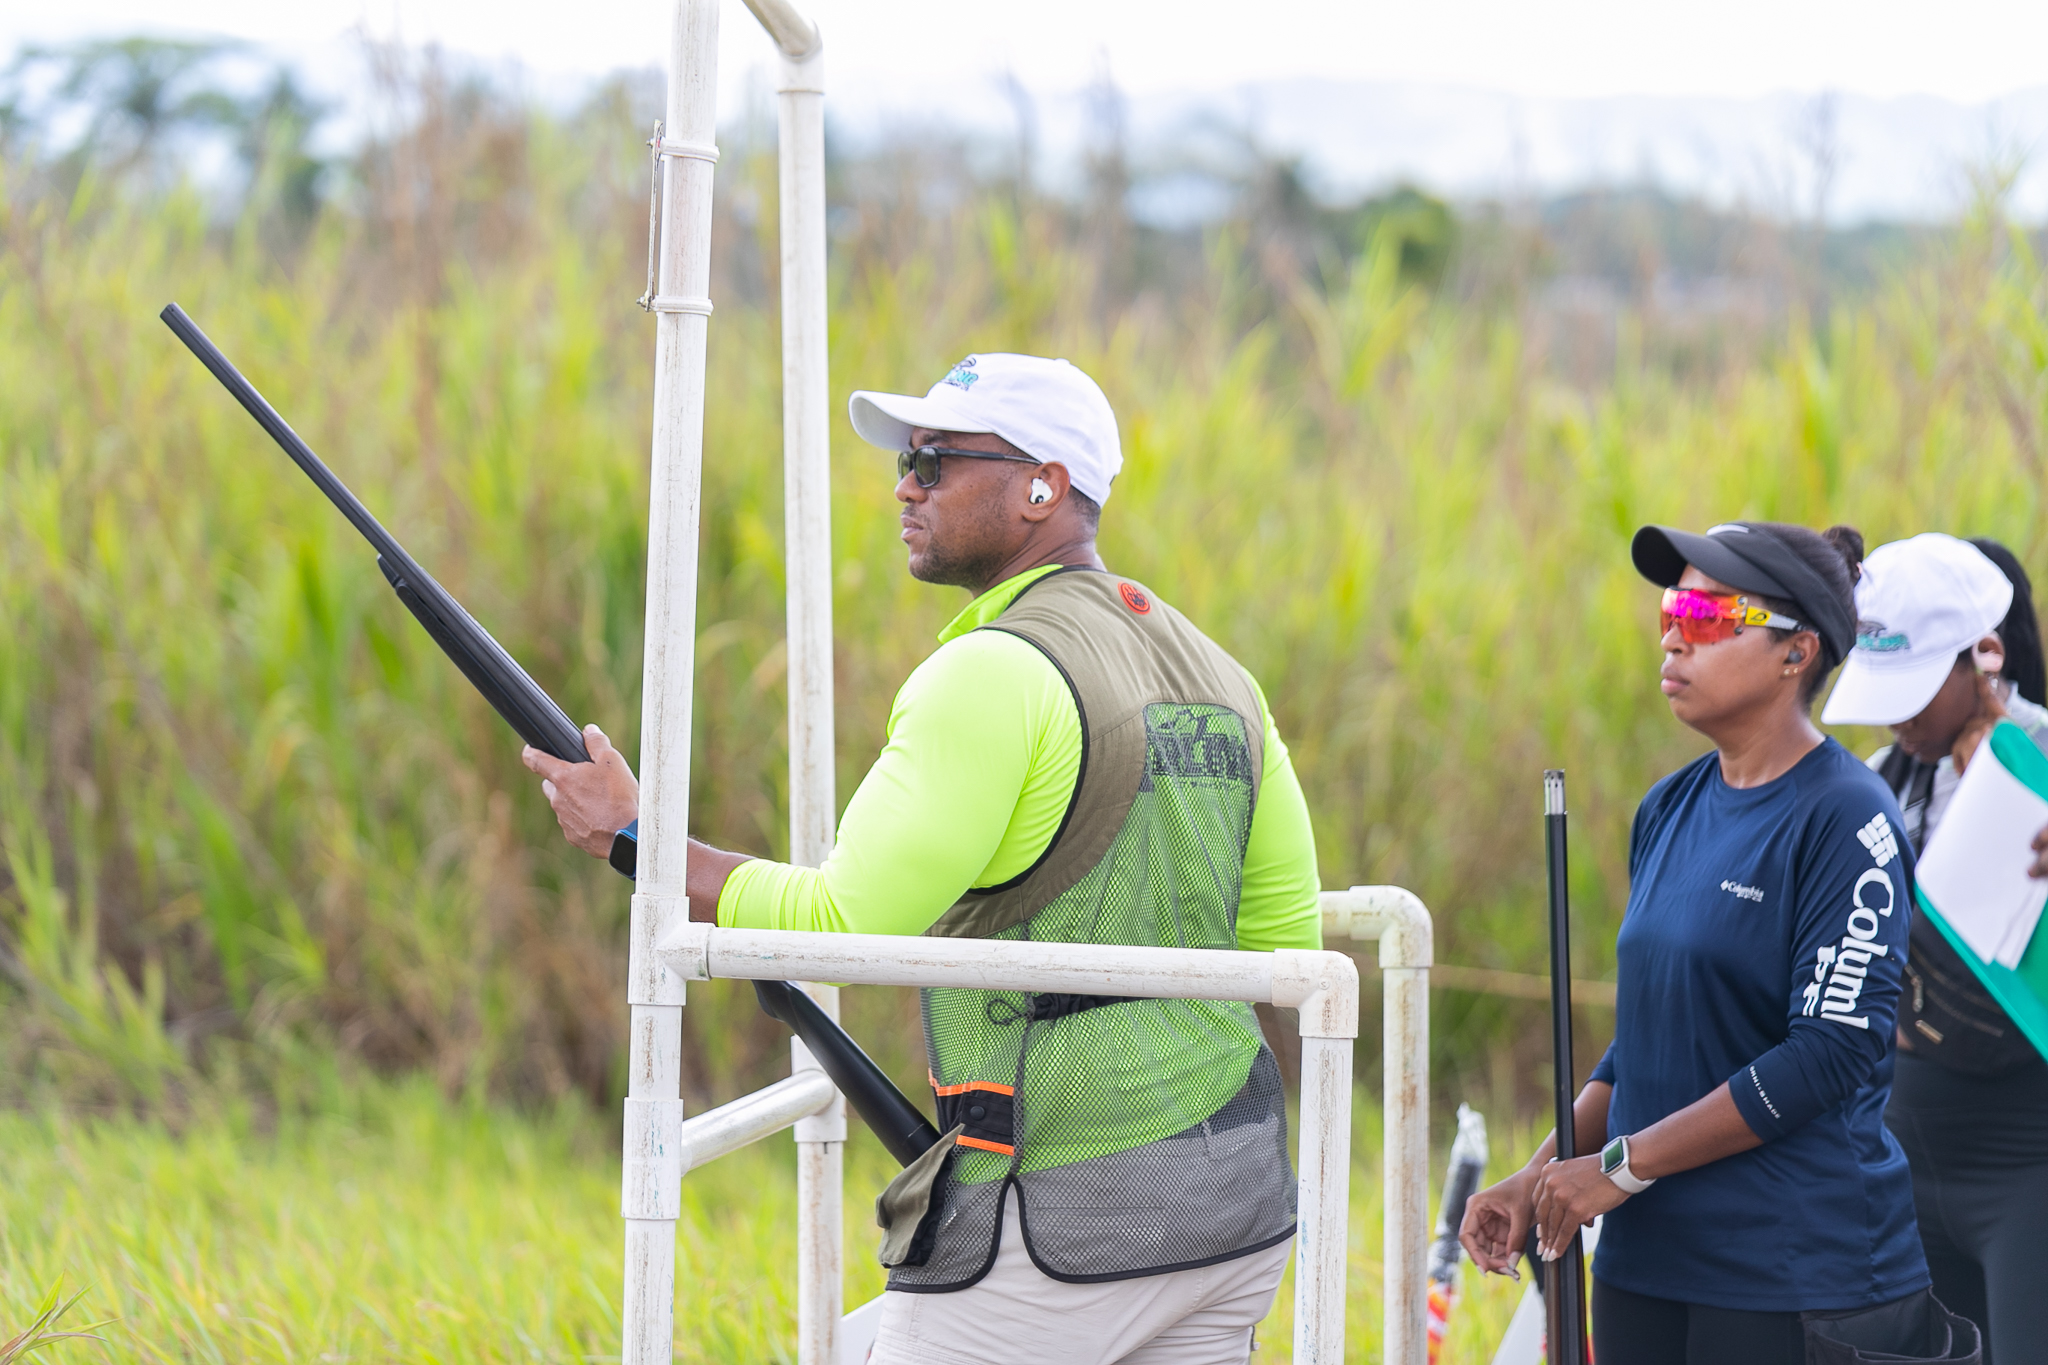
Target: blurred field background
{"x":310,"y":1028}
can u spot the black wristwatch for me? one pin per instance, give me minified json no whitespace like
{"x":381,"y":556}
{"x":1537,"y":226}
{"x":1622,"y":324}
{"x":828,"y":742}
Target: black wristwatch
{"x":625,"y":854}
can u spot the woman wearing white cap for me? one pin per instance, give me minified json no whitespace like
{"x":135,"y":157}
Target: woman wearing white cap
{"x":1947,"y":645}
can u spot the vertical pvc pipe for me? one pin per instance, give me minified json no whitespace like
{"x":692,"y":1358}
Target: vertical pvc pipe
{"x":820,"y":1186}
{"x":1401,"y":923}
{"x":807,"y":531}
{"x":1321,"y":1243}
{"x":806,"y":447}
{"x":1405,"y":1163}
{"x":652,"y":1194}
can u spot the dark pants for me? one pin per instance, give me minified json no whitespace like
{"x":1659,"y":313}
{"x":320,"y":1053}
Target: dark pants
{"x":1635,"y":1329}
{"x":1981,"y":1198}
{"x":1982,"y":1203}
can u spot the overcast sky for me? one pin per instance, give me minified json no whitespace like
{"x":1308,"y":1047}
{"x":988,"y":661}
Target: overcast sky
{"x":1468,"y":97}
{"x":1966,"y":50}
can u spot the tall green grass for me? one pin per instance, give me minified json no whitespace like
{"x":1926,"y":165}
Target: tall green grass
{"x":396,"y":1226}
{"x":259,"y":836}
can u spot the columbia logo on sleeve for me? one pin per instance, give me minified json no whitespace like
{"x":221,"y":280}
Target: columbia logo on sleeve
{"x":1877,"y":837}
{"x":1840,"y":969}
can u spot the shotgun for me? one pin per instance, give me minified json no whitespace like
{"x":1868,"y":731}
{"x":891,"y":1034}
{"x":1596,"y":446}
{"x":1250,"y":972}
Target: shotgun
{"x":533,"y":714}
{"x":1564,"y":1279}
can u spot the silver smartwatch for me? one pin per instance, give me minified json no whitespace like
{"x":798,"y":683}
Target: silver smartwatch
{"x":1614,"y":1165}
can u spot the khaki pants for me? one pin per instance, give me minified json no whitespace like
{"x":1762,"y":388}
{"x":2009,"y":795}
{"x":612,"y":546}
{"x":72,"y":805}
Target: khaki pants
{"x":1017,"y":1315}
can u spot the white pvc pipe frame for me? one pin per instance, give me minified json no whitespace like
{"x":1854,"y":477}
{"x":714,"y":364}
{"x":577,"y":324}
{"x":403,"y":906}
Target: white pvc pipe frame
{"x":666,"y":950}
{"x":681,"y":300}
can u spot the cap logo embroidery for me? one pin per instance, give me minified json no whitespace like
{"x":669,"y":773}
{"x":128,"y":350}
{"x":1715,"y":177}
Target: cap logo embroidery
{"x":1873,"y":638}
{"x":1133,"y":598}
{"x":1725,"y":527}
{"x":962,"y":376}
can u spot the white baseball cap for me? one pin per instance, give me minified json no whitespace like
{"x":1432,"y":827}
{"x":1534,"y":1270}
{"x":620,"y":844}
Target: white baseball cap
{"x":1049,"y":409}
{"x":1920,"y":603}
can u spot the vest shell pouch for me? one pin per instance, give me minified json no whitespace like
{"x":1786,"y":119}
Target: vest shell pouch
{"x":905,"y":1209}
{"x":984,"y":1112}
{"x":1918,"y":1327}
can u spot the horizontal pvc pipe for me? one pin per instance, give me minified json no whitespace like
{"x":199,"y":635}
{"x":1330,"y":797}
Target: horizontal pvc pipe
{"x":1323,"y":986}
{"x":982,"y":964}
{"x":697,"y":951}
{"x":750,"y":1118}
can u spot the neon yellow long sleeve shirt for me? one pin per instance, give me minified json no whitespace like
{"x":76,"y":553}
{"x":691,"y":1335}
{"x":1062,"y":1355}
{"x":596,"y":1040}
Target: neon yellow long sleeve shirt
{"x":984,"y":748}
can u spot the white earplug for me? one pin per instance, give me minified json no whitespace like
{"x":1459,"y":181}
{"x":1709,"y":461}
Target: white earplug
{"x":1041,"y":491}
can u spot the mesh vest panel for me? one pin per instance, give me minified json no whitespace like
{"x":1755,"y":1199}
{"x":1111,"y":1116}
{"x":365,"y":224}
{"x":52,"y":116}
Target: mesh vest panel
{"x":1142,"y":1135}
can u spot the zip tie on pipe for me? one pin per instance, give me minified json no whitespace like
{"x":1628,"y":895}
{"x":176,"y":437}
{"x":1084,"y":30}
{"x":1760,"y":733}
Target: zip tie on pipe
{"x":665,"y":149}
{"x":689,"y":151}
{"x":675,"y":303}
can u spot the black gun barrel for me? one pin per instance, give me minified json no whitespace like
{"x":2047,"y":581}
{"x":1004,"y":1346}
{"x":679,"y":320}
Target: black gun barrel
{"x":900,"y":1125}
{"x":530,"y":712}
{"x":533,"y":714}
{"x":1564,"y":1290}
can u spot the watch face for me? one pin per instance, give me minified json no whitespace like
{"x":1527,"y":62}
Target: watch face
{"x":1611,"y":1157}
{"x":625,"y":854}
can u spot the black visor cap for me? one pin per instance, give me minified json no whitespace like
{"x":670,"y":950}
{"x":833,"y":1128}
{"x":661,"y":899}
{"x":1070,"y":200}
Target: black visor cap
{"x":1749,"y":559}
{"x":1662,"y":552}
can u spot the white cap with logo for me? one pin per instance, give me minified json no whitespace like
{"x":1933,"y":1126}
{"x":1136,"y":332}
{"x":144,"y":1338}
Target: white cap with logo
{"x":1049,"y":409}
{"x":1920,"y":603}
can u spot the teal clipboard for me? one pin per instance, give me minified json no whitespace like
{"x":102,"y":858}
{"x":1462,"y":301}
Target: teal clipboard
{"x":2021,"y":990}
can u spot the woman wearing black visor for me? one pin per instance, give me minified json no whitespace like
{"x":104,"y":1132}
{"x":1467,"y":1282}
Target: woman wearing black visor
{"x":1753,"y":1197}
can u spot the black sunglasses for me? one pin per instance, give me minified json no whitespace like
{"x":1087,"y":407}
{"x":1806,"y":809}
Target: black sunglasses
{"x":924,"y":462}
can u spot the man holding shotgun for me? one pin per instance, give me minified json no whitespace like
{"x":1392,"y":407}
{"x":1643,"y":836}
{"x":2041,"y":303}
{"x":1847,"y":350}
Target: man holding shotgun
{"x":1075,"y":763}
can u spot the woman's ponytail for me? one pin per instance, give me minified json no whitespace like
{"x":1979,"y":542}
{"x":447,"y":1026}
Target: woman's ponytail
{"x":1836,"y":556}
{"x":1847,"y":542}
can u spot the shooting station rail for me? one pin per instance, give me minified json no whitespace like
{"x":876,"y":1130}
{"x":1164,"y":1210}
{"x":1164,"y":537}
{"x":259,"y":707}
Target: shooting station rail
{"x":1322,"y":986}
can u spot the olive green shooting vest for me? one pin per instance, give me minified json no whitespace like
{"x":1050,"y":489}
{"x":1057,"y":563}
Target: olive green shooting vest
{"x":1141,"y":1136}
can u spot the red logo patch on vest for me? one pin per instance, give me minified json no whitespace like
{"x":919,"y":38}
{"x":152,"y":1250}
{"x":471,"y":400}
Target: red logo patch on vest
{"x":1134,"y":599}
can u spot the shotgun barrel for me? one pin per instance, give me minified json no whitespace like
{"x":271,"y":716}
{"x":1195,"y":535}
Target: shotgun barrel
{"x":1564,"y":1287}
{"x":900,"y":1125}
{"x":533,"y":714}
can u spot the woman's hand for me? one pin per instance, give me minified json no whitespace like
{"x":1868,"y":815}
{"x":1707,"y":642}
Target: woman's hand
{"x":1496,"y":1225}
{"x":1568,"y":1195}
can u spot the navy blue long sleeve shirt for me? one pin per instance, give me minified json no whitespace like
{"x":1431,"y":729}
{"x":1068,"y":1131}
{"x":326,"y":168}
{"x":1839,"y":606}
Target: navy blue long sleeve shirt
{"x":1762,"y":946}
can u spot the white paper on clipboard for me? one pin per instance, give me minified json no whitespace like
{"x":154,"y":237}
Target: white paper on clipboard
{"x":1975,"y":867}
